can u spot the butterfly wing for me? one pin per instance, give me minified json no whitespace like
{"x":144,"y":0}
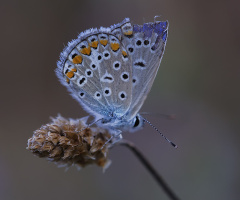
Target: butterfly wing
{"x":110,"y":71}
{"x":96,"y":70}
{"x":146,"y":45}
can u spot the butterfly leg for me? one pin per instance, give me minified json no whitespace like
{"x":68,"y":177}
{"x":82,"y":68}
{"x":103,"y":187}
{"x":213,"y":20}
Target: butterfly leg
{"x":115,"y":137}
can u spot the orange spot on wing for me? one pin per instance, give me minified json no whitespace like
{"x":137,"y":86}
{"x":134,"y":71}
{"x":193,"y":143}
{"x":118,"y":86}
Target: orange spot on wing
{"x":74,"y":69}
{"x":128,"y":33}
{"x":86,"y":51}
{"x":104,"y":42}
{"x":115,"y":46}
{"x":77,"y":59}
{"x":70,"y":74}
{"x":67,"y":80}
{"x":124,"y":53}
{"x":94,"y":44}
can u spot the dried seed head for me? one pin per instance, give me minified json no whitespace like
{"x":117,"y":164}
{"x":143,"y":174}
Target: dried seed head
{"x":63,"y":142}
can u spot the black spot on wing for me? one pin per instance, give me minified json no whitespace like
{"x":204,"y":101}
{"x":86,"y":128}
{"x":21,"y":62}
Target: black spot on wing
{"x":140,"y":64}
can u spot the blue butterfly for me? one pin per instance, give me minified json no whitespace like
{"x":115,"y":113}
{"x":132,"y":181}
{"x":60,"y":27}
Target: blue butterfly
{"x":110,"y":71}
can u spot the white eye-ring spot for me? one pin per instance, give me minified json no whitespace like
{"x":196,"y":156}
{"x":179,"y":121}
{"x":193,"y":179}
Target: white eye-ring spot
{"x":116,"y":65}
{"x":89,"y":73}
{"x":106,"y":55}
{"x":107,"y":78}
{"x":93,"y":66}
{"x":82,"y":94}
{"x":82,"y":45}
{"x":146,"y":43}
{"x":130,"y":49}
{"x":92,"y":38}
{"x":97,"y":95}
{"x":107,"y":91}
{"x":82,"y":81}
{"x":140,"y":64}
{"x":113,"y":39}
{"x":125,"y":76}
{"x":138,"y":43}
{"x":122,"y":95}
{"x":103,"y":36}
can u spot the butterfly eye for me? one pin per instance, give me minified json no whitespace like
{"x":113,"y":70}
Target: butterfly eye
{"x":136,"y":122}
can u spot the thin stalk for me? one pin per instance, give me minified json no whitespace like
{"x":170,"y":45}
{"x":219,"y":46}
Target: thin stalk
{"x":150,"y":168}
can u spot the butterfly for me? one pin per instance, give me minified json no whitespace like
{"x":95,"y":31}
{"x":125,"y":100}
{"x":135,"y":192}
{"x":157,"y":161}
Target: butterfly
{"x":110,"y":71}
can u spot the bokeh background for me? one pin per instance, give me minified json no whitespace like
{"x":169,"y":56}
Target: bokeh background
{"x":198,"y":81}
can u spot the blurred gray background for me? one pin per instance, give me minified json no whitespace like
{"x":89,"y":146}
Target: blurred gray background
{"x":198,"y":81}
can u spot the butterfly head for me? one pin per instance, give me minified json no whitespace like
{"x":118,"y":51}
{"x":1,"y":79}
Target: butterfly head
{"x":114,"y":123}
{"x":136,"y":124}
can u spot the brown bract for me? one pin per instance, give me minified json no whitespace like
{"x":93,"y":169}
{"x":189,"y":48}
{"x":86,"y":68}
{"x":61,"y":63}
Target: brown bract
{"x":65,"y":142}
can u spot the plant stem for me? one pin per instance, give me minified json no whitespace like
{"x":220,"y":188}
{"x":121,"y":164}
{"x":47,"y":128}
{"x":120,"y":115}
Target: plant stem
{"x":150,"y":168}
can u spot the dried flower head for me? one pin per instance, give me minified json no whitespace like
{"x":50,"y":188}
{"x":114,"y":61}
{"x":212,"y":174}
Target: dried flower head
{"x":65,"y":142}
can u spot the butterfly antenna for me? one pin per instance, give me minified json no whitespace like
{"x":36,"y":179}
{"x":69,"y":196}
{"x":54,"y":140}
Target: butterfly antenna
{"x":174,"y":145}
